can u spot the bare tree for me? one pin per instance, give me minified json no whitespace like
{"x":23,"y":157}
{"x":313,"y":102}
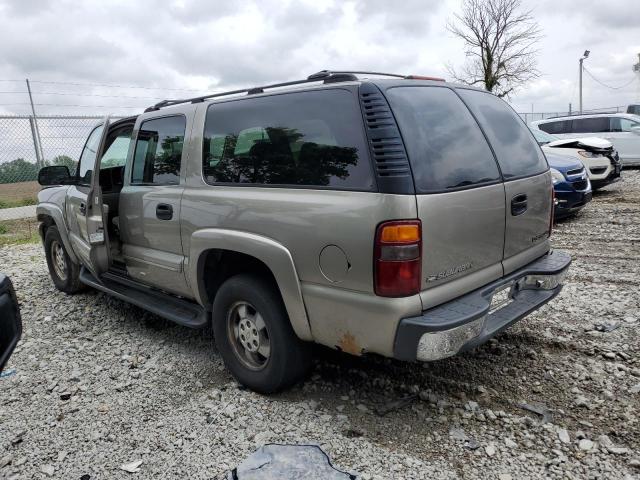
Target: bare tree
{"x":499,"y":43}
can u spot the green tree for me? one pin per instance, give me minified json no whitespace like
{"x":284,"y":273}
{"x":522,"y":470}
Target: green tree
{"x":65,"y":160}
{"x":18,"y":170}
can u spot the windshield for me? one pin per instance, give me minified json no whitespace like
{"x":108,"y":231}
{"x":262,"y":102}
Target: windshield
{"x":543,"y":137}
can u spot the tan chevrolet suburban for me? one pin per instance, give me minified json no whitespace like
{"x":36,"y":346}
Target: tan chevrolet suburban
{"x":371,"y":213}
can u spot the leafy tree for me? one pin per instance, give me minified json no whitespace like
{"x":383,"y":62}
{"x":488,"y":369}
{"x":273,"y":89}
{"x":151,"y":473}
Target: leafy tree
{"x":18,"y":170}
{"x":65,"y":160}
{"x":499,"y":42}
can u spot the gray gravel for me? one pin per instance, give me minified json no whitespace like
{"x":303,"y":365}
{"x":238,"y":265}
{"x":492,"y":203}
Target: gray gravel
{"x":101,"y":386}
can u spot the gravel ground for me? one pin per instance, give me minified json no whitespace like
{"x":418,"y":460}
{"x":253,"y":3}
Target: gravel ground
{"x":99,"y":384}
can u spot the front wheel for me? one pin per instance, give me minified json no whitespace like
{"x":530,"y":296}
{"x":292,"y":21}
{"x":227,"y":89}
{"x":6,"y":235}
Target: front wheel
{"x":64,"y":272}
{"x":254,"y":336}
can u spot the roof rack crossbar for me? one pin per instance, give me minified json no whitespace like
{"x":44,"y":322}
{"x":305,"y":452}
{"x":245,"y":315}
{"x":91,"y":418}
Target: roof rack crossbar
{"x":326,"y":76}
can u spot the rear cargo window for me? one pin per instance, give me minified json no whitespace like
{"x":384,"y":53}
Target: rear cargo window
{"x":301,"y":139}
{"x":518,"y":153}
{"x":446,"y":147}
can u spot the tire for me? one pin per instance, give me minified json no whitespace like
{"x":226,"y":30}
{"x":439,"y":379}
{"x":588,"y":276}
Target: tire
{"x":64,"y":272}
{"x":238,"y":306}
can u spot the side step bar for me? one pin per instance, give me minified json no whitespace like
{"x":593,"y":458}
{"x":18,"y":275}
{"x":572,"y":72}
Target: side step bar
{"x":165,"y":305}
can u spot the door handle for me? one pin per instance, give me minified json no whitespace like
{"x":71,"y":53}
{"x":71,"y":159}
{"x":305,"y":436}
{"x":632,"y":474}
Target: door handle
{"x":519,"y":204}
{"x":82,"y":209}
{"x":164,"y":211}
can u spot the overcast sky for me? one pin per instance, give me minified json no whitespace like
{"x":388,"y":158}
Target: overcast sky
{"x":210,"y":45}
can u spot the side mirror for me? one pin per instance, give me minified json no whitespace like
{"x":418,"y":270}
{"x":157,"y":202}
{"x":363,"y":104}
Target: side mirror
{"x":54,"y":175}
{"x":10,"y":322}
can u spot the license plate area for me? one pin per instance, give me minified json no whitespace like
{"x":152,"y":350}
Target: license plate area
{"x":501,"y":298}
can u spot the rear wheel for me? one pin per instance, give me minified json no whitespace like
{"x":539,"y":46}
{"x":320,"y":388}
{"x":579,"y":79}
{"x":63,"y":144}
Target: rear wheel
{"x":64,"y":272}
{"x":254,"y":336}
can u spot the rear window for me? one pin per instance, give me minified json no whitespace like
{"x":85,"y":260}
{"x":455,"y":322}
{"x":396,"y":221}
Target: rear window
{"x":446,"y":148}
{"x":561,"y":126}
{"x":518,"y":153}
{"x":303,"y":138}
{"x":590,"y":125}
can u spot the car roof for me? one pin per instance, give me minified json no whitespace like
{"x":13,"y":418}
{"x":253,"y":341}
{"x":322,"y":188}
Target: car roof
{"x":383,"y":84}
{"x":586,"y":115}
{"x":320,"y":81}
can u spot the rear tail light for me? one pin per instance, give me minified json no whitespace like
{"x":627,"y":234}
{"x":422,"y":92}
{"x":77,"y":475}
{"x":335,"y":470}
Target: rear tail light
{"x":397,"y":258}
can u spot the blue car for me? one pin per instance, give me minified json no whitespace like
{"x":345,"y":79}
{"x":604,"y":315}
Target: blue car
{"x":570,"y":183}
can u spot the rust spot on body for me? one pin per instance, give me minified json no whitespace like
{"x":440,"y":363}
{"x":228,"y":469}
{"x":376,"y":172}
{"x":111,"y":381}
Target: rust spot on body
{"x":348,"y":344}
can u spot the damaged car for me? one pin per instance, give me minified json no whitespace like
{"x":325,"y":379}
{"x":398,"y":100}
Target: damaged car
{"x":597,"y":154}
{"x":571,"y":185}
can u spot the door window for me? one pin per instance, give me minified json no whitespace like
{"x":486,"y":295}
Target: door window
{"x":619,"y":124}
{"x":117,"y":148}
{"x":518,"y":153}
{"x":88,"y":156}
{"x":446,"y":147}
{"x":158,"y":151}
{"x":302,"y":138}
{"x":559,"y":127}
{"x":591,"y":125}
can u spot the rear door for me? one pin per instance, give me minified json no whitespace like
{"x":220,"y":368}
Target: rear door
{"x":150,"y":203}
{"x":460,"y":195}
{"x":527,"y":181}
{"x":625,"y":141}
{"x":85,"y":211}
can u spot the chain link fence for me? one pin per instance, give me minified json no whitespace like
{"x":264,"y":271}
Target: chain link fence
{"x":27,"y":144}
{"x":533,"y":116}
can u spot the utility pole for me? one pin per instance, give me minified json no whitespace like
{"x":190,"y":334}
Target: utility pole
{"x":636,"y":69}
{"x":35,"y":130}
{"x":586,"y":55}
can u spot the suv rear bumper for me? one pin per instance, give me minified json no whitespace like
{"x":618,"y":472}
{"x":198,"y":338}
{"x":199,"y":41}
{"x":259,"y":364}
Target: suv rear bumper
{"x":470,"y":320}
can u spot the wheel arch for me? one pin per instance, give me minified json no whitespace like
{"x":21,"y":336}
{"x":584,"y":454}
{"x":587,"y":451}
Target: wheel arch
{"x":231,"y":252}
{"x":50,"y":214}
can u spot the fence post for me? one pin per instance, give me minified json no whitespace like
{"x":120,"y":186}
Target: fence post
{"x":35,"y":129}
{"x":35,"y":140}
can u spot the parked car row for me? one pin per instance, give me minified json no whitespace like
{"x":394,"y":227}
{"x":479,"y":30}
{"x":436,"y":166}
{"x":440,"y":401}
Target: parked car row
{"x":621,"y":129}
{"x":577,"y":150}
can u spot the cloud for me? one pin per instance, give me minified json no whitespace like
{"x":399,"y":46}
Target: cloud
{"x":212,"y":45}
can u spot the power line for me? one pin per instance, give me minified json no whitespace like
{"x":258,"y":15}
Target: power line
{"x":608,"y":86}
{"x":115,"y":86}
{"x":70,"y":105}
{"x":83,"y":95}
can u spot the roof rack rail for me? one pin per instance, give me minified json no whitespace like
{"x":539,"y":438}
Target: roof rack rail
{"x":325,"y":76}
